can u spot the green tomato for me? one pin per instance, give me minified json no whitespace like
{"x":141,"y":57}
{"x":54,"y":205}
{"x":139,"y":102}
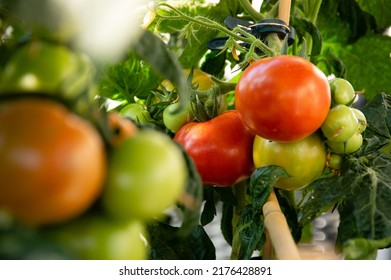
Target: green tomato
{"x":174,"y":119}
{"x":303,"y":160}
{"x":340,"y":124}
{"x":137,"y":113}
{"x":42,"y":67}
{"x":335,"y":161}
{"x":147,"y":174}
{"x":362,"y":120}
{"x":342,"y":91}
{"x":98,"y":238}
{"x":350,"y":146}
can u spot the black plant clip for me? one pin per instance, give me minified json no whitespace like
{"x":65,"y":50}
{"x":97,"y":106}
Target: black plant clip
{"x":259,"y":30}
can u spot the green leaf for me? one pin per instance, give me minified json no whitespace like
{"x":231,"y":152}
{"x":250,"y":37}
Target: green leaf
{"x":194,"y":196}
{"x":380,"y":9}
{"x":128,"y":79}
{"x":209,"y":210}
{"x":302,"y":26}
{"x":197,"y":48}
{"x":286,"y":200}
{"x":250,"y":227}
{"x":378,"y":115}
{"x":321,"y":195}
{"x":154,"y":51}
{"x":261,"y":185}
{"x":364,"y":249}
{"x":368,"y":64}
{"x":167,"y":244}
{"x":226,"y":222}
{"x":366,"y":212}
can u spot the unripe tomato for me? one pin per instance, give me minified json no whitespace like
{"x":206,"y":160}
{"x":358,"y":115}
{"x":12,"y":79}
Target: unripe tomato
{"x":137,"y":113}
{"x":342,"y":91}
{"x":99,"y":238}
{"x":362,"y":120}
{"x":340,"y":124}
{"x":200,"y":80}
{"x":174,"y":119}
{"x":349,"y":146}
{"x":304,"y":160}
{"x":53,"y":163}
{"x":221,"y":148}
{"x":147,"y":173}
{"x":47,"y":68}
{"x":334,"y":161}
{"x":284,"y":98}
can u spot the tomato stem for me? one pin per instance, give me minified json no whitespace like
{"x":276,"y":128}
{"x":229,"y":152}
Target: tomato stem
{"x":237,"y":33}
{"x":240,"y":191}
{"x":311,"y":9}
{"x":246,"y":5}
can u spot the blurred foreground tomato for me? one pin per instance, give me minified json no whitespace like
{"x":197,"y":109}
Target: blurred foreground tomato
{"x":94,"y":237}
{"x":53,"y":162}
{"x":146,"y":175}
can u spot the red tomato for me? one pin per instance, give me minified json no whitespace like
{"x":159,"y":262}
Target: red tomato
{"x":284,"y":98}
{"x":221,"y":148}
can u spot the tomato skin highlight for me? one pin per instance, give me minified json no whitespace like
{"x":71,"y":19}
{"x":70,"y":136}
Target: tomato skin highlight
{"x":221,"y":148}
{"x":53,"y":162}
{"x":284,"y":98}
{"x":304,"y":160}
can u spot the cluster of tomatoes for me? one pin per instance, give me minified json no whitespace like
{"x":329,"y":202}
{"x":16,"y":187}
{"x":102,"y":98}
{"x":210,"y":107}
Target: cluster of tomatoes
{"x":344,"y":124}
{"x":90,"y":194}
{"x":286,"y":113}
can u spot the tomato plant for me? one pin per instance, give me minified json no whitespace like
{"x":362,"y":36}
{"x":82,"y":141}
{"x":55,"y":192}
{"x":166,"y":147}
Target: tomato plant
{"x":303,"y":160}
{"x":280,"y":93}
{"x":53,"y":162}
{"x":220,"y":148}
{"x":293,"y":93}
{"x":146,"y":175}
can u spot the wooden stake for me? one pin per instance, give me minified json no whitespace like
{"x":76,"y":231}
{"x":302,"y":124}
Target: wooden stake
{"x":284,"y":10}
{"x":278,"y":230}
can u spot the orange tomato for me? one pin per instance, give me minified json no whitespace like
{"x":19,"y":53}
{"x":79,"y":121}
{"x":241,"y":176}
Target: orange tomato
{"x":52,"y":162}
{"x":121,"y":127}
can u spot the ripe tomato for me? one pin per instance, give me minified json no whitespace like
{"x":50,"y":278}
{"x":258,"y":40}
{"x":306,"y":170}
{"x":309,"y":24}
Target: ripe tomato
{"x":284,"y":98}
{"x":304,"y":160}
{"x":98,"y":238}
{"x":221,"y":148}
{"x":52,"y":162}
{"x":147,"y":173}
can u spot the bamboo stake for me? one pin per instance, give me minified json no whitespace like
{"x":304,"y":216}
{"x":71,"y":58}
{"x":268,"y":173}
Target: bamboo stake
{"x":284,"y":10}
{"x":278,"y":230}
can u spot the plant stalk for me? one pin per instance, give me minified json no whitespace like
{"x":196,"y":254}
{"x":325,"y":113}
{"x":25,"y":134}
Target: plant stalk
{"x":240,"y":191}
{"x":250,"y":10}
